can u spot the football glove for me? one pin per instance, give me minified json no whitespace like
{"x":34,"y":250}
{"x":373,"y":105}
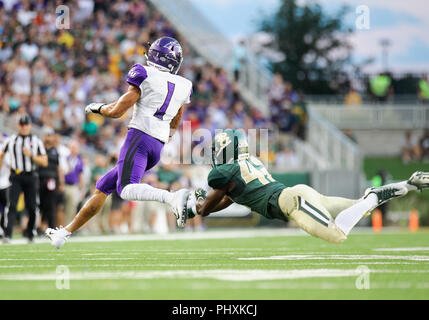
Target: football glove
{"x":94,"y":107}
{"x":200,"y":195}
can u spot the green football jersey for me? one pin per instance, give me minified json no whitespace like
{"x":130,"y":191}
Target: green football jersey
{"x":254,"y":186}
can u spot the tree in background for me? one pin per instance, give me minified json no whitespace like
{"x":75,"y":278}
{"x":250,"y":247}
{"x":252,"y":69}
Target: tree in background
{"x":314,"y":44}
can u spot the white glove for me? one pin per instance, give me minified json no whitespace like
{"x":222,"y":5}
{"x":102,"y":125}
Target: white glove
{"x":94,"y":107}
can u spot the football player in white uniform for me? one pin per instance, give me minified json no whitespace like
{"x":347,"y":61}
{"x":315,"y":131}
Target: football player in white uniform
{"x":157,"y":94}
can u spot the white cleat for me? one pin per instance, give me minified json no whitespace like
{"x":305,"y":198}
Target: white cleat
{"x":58,"y":236}
{"x":179,"y":206}
{"x":419,"y":179}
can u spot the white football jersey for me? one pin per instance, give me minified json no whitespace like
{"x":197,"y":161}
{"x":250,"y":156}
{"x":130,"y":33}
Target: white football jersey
{"x":162,"y":95}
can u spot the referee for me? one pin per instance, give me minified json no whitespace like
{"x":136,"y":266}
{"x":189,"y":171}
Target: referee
{"x":26,"y":151}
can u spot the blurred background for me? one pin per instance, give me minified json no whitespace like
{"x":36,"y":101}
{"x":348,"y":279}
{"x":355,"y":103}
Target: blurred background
{"x":341,"y":87}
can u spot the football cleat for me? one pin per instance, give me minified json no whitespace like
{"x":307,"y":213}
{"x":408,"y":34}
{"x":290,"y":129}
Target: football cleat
{"x":386,"y":193}
{"x":179,"y":206}
{"x":58,"y":236}
{"x":419,"y":179}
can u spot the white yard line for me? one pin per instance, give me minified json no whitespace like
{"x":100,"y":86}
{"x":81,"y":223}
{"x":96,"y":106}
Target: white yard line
{"x":339,"y":257}
{"x":209,"y":234}
{"x":217,"y":274}
{"x":403,"y":249}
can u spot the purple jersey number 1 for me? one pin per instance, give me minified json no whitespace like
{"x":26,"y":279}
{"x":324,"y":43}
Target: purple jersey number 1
{"x":161,"y":111}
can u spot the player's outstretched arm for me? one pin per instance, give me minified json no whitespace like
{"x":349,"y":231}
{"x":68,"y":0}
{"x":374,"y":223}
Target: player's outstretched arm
{"x":116,"y":109}
{"x":215,"y":201}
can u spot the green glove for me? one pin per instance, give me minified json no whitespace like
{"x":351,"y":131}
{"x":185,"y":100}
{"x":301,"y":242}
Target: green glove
{"x":200,"y":195}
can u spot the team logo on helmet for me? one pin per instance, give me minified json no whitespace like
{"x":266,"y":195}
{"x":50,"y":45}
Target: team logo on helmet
{"x":229,"y":146}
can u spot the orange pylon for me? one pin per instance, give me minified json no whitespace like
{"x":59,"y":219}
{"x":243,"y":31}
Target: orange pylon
{"x":377,"y":220}
{"x":414,"y":220}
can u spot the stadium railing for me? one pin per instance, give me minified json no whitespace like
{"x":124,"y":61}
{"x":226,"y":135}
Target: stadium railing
{"x":333,"y":146}
{"x":375,"y":116}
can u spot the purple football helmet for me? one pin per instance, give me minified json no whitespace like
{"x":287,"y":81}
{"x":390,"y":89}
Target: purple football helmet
{"x":165,"y":53}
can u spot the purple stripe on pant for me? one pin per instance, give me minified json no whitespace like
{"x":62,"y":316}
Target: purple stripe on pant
{"x":140,"y":153}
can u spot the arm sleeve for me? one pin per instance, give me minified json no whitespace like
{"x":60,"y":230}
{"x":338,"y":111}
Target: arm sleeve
{"x":136,"y":75}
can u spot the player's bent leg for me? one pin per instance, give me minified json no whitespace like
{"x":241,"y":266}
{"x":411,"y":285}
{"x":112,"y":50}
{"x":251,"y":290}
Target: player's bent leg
{"x":334,"y":205}
{"x":144,"y":192}
{"x":140,"y":153}
{"x":302,"y":205}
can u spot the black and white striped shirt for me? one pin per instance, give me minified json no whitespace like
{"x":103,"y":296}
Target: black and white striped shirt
{"x":18,"y":161}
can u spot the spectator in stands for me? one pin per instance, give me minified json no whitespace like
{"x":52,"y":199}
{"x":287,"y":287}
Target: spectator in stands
{"x":289,"y":93}
{"x":424,"y":146}
{"x":287,"y":123}
{"x":239,"y":58}
{"x":423,"y":89}
{"x":300,"y":110}
{"x":276,"y":92}
{"x":74,"y":189}
{"x":410,"y":150}
{"x":352,"y":98}
{"x":381,"y":87}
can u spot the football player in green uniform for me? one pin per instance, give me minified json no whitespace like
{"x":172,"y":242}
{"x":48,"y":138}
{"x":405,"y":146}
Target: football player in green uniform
{"x":238,"y":177}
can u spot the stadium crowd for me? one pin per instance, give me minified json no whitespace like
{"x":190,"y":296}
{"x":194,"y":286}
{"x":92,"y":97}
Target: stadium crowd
{"x":51,"y":74}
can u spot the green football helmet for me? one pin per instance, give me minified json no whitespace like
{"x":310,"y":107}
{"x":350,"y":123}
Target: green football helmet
{"x":228,"y":147}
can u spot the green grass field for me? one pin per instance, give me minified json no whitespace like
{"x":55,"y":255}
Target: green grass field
{"x":236,"y":264}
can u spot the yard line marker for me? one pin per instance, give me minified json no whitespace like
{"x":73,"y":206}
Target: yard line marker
{"x":403,"y":249}
{"x":217,"y":274}
{"x":339,"y":257}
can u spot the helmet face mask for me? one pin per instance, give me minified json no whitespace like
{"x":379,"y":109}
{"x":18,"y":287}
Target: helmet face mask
{"x":165,"y":54}
{"x":229,"y":146}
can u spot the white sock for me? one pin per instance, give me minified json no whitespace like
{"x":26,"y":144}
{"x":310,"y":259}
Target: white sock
{"x":145,"y":192}
{"x":349,"y":217}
